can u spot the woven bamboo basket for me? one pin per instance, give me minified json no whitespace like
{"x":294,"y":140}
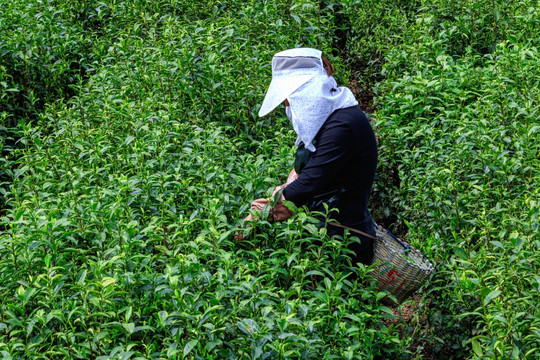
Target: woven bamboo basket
{"x":399,"y":268}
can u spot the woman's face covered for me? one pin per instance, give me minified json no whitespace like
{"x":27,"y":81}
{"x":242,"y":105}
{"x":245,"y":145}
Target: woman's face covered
{"x":292,"y":118}
{"x":299,"y":76}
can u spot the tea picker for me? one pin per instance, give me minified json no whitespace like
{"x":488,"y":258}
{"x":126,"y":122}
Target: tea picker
{"x":336,"y":157}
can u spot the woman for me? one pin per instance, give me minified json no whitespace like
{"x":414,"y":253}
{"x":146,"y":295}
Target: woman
{"x":337,"y":155}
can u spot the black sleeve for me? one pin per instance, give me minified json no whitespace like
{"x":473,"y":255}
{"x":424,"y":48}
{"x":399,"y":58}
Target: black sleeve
{"x":333,"y":151}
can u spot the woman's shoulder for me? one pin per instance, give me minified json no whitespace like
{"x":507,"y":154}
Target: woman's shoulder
{"x":346,"y":122}
{"x":351,"y":116}
{"x":348,"y":113}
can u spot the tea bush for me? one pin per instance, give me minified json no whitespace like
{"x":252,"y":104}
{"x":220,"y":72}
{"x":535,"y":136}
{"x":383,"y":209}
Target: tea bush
{"x":118,"y":242}
{"x":41,"y":54}
{"x":372,"y":29}
{"x":127,"y":185}
{"x":43,"y":51}
{"x":458,"y":124}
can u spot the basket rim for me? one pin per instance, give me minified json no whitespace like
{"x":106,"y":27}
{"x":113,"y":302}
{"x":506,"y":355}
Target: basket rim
{"x":412,"y":255}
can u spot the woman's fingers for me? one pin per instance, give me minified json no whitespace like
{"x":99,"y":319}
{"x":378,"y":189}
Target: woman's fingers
{"x":258,"y":204}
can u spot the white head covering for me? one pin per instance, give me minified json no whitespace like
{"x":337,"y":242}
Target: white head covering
{"x":299,"y":76}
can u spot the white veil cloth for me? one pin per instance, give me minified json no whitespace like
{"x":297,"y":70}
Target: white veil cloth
{"x":298,"y":75}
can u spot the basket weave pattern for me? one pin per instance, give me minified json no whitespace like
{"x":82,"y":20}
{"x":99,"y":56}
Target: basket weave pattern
{"x":399,"y":268}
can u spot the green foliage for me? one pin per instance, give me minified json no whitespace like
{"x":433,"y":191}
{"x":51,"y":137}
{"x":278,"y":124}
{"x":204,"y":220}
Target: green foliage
{"x":131,"y":149}
{"x":43,"y":51}
{"x":118,"y":242}
{"x":458,"y":126}
{"x":478,"y":26}
{"x":371,"y":29}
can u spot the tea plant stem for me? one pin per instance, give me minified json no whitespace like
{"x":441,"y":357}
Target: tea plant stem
{"x":162,"y":90}
{"x":13,"y":252}
{"x":456,"y":209}
{"x":52,"y":164}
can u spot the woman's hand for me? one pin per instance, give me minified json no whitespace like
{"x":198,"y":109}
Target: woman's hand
{"x":279,"y":213}
{"x":256,"y":205}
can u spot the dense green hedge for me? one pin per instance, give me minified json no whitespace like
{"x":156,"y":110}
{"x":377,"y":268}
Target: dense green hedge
{"x":129,"y":178}
{"x":124,"y":199}
{"x":458,"y":124}
{"x":43,"y":51}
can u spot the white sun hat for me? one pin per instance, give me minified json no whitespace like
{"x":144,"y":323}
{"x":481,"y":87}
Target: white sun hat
{"x":291,"y":69}
{"x":299,"y":76}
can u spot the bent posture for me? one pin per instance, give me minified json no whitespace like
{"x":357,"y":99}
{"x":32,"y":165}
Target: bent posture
{"x":337,"y":150}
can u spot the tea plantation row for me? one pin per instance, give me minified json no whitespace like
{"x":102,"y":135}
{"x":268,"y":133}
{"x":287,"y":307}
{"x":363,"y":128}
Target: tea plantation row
{"x":131,"y":149}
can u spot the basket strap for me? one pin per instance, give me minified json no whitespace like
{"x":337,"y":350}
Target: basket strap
{"x":349,"y":228}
